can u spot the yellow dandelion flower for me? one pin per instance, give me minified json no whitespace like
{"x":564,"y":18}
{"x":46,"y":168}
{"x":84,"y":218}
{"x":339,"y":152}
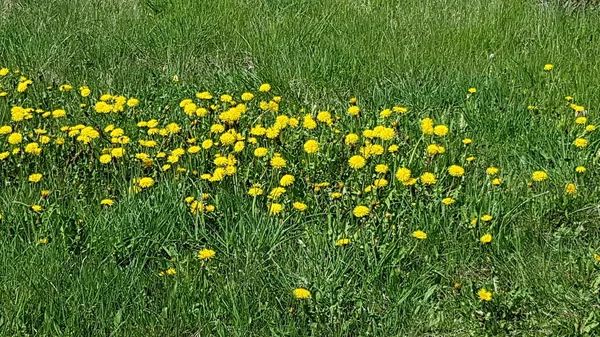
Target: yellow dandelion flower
{"x":419,"y":235}
{"x":206,"y":254}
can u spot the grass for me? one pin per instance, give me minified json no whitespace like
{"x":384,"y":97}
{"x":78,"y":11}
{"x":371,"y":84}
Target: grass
{"x":98,"y":274}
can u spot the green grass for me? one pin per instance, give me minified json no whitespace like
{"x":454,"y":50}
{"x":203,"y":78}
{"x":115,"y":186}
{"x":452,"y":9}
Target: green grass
{"x":98,"y":273}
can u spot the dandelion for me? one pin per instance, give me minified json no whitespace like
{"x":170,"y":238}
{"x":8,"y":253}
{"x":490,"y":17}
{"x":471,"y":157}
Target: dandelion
{"x":301,"y":293}
{"x":311,"y":146}
{"x":107,"y":202}
{"x":146,"y":182}
{"x":105,"y":158}
{"x":548,"y":67}
{"x":360,"y":211}
{"x":277,"y":162}
{"x":428,"y":178}
{"x":580,"y":169}
{"x":342,"y":242}
{"x":486,"y":238}
{"x":275,"y":208}
{"x":580,"y":142}
{"x":37,"y":208}
{"x":419,"y":235}
{"x":472,"y":90}
{"x":571,"y":189}
{"x":300,"y":206}
{"x":427,"y":126}
{"x":440,"y":130}
{"x":448,"y":201}
{"x":287,"y":180}
{"x":484,"y":295}
{"x":403,"y":174}
{"x":486,"y":218}
{"x":351,"y":139}
{"x":36,"y":177}
{"x":467,"y":141}
{"x":15,"y":138}
{"x":206,"y":254}
{"x":539,"y":176}
{"x":265,"y":87}
{"x":456,"y":171}
{"x":357,"y":162}
{"x":353,"y":110}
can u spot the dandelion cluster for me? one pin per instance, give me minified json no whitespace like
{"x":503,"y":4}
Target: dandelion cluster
{"x":368,"y":170}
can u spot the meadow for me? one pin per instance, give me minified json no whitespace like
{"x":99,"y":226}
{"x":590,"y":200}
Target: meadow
{"x":299,"y":168}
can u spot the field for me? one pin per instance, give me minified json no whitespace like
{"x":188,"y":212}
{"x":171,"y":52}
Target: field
{"x":299,"y":168}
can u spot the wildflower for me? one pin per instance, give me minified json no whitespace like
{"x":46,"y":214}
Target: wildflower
{"x":287,"y":180}
{"x":351,"y":139}
{"x":380,"y":182}
{"x":265,"y":87}
{"x":275,"y":208}
{"x":539,"y":176}
{"x":360,"y":211}
{"x":486,"y":218}
{"x":440,"y":130}
{"x":428,"y":178}
{"x":146,"y":182}
{"x":427,"y":126}
{"x":107,"y":202}
{"x":357,"y":162}
{"x":36,"y":208}
{"x":548,"y":67}
{"x":492,"y":170}
{"x":486,"y":238}
{"x":470,"y":159}
{"x":381,"y":168}
{"x":448,"y":201}
{"x":300,"y":206}
{"x":467,"y":141}
{"x":311,"y":146}
{"x":277,"y":162}
{"x":484,"y":295}
{"x":580,"y":169}
{"x":171,"y":271}
{"x":276,"y":192}
{"x":255,"y":190}
{"x":497,"y":181}
{"x":342,"y":242}
{"x":105,"y":158}
{"x":581,"y":120}
{"x":456,"y":171}
{"x":385,"y":113}
{"x":43,"y":241}
{"x":472,"y":90}
{"x":36,"y":177}
{"x":571,"y":189}
{"x":353,"y":110}
{"x":45,"y":193}
{"x":206,"y":254}
{"x":301,"y":293}
{"x":15,"y":138}
{"x":403,"y":174}
{"x":590,"y":128}
{"x":580,"y":142}
{"x":419,"y":235}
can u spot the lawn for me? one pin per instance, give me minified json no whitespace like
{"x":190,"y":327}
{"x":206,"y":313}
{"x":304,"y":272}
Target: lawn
{"x":299,"y":168}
